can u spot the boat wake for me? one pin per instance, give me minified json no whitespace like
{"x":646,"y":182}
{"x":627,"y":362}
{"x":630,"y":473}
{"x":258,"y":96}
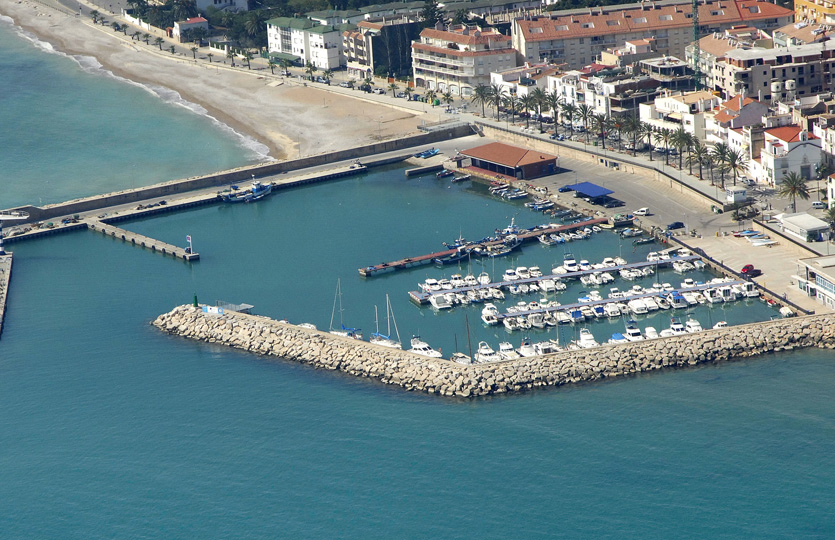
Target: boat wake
{"x":256,"y":150}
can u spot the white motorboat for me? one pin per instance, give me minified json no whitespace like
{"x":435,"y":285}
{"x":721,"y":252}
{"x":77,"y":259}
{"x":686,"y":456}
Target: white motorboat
{"x":535,"y":272}
{"x":559,"y":285}
{"x":612,"y":310}
{"x":618,"y":338}
{"x":677,"y":301}
{"x":423,"y":348}
{"x":662,"y":302}
{"x":546,"y":347}
{"x":675,"y":329}
{"x":511,"y":323}
{"x":692,"y":297}
{"x":689,"y":283}
{"x":720,"y":324}
{"x":496,"y":293}
{"x":430,"y":285}
{"x":713,"y":296}
{"x":537,"y":320}
{"x":483,"y":278}
{"x":526,"y":350}
{"x":584,"y":265}
{"x":562,"y":317}
{"x":522,"y":272}
{"x":470,"y":281}
{"x":457,"y":281}
{"x":445,"y":284}
{"x":486,"y":354}
{"x":650,"y":333}
{"x":489,"y":314}
{"x":683,"y":266}
{"x":510,"y":275}
{"x":693,"y":326}
{"x":547,"y":285}
{"x":586,"y":339}
{"x":440,"y":301}
{"x":507,"y":352}
{"x":569,"y":263}
{"x":637,"y":306}
{"x":461,"y":358}
{"x":632,"y":333}
{"x":650,"y":303}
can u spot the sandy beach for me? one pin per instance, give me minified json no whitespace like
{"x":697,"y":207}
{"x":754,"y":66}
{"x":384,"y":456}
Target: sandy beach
{"x":286,"y":115}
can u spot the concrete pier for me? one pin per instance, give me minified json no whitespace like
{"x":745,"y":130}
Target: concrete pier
{"x":143,"y":241}
{"x":5,"y":276}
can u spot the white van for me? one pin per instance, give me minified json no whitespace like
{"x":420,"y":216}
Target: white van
{"x":641,"y":212}
{"x":817,"y":205}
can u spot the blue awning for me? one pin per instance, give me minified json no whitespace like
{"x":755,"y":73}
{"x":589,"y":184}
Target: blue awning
{"x":590,"y":190}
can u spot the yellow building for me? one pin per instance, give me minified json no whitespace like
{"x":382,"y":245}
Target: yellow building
{"x":819,"y":11}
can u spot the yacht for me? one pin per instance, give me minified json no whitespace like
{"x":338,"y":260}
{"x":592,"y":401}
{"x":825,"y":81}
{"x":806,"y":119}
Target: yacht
{"x":483,"y":278}
{"x":650,"y":333}
{"x":612,"y":310}
{"x":677,"y":301}
{"x":693,"y":326}
{"x":547,"y":347}
{"x":510,"y":275}
{"x":440,"y":301}
{"x":522,"y":272}
{"x":506,"y":351}
{"x":461,"y":358}
{"x":486,"y":353}
{"x":675,"y":329}
{"x":511,"y":323}
{"x":490,"y":314}
{"x":688,"y":283}
{"x":547,"y":285}
{"x":526,"y":350}
{"x":632,"y":333}
{"x":470,"y":281}
{"x":637,"y":306}
{"x":430,"y":285}
{"x":422,"y":348}
{"x":618,"y":338}
{"x":586,"y":339}
{"x":535,"y":272}
{"x":720,"y":324}
{"x":569,"y":263}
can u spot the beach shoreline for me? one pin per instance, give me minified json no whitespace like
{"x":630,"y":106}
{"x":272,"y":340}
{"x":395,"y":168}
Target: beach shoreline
{"x":252,"y":104}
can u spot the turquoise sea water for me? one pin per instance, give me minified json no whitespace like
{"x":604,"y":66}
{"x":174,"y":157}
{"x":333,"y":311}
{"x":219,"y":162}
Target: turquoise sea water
{"x":110,"y":429}
{"x":72,"y":129}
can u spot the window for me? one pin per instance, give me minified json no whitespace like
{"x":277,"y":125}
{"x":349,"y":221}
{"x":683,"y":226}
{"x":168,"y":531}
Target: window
{"x":665,"y":17}
{"x":613,"y":23}
{"x":562,"y":28}
{"x":640,"y":20}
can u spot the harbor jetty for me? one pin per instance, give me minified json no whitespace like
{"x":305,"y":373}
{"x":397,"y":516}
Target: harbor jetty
{"x":262,"y":335}
{"x":5,"y":276}
{"x":143,"y":241}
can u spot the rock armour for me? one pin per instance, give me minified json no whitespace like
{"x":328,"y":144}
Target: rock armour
{"x":267,"y":336}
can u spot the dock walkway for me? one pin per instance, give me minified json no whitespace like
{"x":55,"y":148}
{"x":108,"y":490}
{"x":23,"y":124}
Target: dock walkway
{"x":527,"y":236}
{"x":144,"y":241}
{"x":5,"y":276}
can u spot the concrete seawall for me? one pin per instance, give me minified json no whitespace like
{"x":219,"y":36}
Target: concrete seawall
{"x":242,"y":174}
{"x":5,"y":277}
{"x":266,"y":336}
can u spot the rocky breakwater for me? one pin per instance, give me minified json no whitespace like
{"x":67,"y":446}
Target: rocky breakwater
{"x":266,"y":336}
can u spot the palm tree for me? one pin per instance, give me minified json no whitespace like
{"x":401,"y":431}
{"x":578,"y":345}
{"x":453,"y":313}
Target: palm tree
{"x":248,"y":57}
{"x":569,"y":112}
{"x":599,"y":123}
{"x":135,"y":36}
{"x":447,"y":98}
{"x":539,"y":97}
{"x":496,"y":93}
{"x":430,"y":96}
{"x":616,"y":126}
{"x":209,"y":56}
{"x":737,"y":162}
{"x":680,"y":140}
{"x":720,"y":158}
{"x":367,"y":82}
{"x":394,"y":88}
{"x":115,"y":26}
{"x":172,"y":49}
{"x":285,"y":64}
{"x":793,"y":185}
{"x":511,"y":103}
{"x":481,"y":95}
{"x":585,"y":113}
{"x":271,"y":64}
{"x":646,"y":132}
{"x":665,"y":135}
{"x":327,"y":75}
{"x":553,"y":102}
{"x":699,"y":155}
{"x":158,"y":41}
{"x":95,"y":16}
{"x":194,"y":52}
{"x":310,"y":69}
{"x":146,"y":37}
{"x":231,"y":56}
{"x":527,"y":104}
{"x":822,"y":172}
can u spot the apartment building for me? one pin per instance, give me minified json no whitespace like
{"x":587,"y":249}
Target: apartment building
{"x":786,"y":149}
{"x":381,"y":47}
{"x":682,"y":110}
{"x":577,"y":37}
{"x":459,"y":58}
{"x":819,"y":11}
{"x":304,"y":40}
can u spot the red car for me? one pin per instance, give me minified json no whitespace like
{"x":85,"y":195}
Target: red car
{"x":750,"y":271}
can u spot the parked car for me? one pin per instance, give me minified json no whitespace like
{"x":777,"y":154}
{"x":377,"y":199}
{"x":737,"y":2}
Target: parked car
{"x":675,"y":225}
{"x":641,"y":212}
{"x":378,"y":91}
{"x":818,"y":205}
{"x":564,"y":189}
{"x":286,"y":73}
{"x":749,"y":271}
{"x":345,"y":84}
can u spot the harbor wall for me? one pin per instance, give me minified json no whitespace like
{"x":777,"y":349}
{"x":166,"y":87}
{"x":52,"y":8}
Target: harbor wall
{"x":5,"y":277}
{"x":262,"y":335}
{"x":241,"y":174}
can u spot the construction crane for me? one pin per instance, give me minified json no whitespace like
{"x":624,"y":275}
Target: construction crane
{"x":697,"y":50}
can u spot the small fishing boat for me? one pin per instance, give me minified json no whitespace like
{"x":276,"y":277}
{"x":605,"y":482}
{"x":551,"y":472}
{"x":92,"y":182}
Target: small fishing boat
{"x":461,"y":178}
{"x":444,"y":173}
{"x":255,"y":192}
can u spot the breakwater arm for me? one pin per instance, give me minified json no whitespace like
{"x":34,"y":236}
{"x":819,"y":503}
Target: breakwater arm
{"x":267,"y":336}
